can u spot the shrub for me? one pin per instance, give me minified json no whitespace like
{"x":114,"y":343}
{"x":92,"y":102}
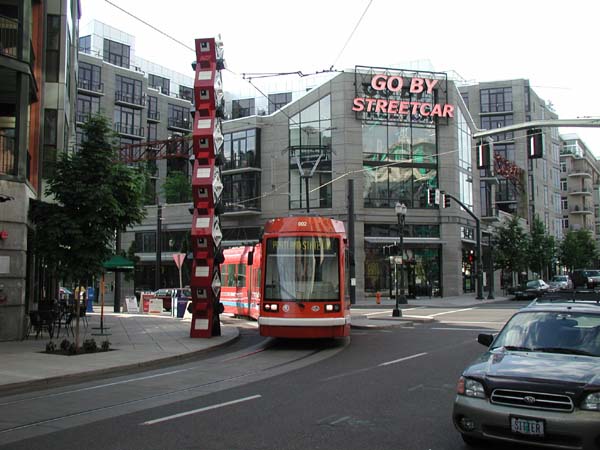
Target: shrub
{"x":72,"y":349}
{"x":50,"y":347}
{"x":89,"y":346}
{"x":105,"y":346}
{"x":64,"y":345}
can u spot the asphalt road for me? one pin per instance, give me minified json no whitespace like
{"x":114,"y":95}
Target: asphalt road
{"x":381,"y":389}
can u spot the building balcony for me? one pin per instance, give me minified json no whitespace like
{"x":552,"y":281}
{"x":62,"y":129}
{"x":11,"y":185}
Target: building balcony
{"x":9,"y":37}
{"x":241,"y":208}
{"x":81,"y":118}
{"x":581,"y":210}
{"x":129,"y":130}
{"x":87,"y":87}
{"x":153,"y":116}
{"x":179,"y":124}
{"x":490,"y":214}
{"x":580,"y":172}
{"x":580,"y":191}
{"x":125,"y":99}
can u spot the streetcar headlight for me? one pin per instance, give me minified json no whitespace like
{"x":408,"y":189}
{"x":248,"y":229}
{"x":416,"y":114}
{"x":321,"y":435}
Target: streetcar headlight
{"x":328,"y":308}
{"x":267,"y":307}
{"x":274,"y":307}
{"x":271,"y":307}
{"x":591,"y":402}
{"x":332,"y":308}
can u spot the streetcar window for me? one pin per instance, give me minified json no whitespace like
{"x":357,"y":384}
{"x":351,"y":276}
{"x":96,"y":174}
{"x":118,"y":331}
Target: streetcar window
{"x":229,"y":275}
{"x":241,"y":275}
{"x":303,"y":268}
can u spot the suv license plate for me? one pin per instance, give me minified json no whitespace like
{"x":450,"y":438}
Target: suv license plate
{"x":529,"y":427}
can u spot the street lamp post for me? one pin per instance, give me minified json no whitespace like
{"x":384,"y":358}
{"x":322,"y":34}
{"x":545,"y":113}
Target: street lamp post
{"x":401,"y":214}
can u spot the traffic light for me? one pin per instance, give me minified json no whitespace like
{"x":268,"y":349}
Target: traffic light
{"x":430,"y":197}
{"x":535,"y":143}
{"x":446,"y":201}
{"x":483,"y":155}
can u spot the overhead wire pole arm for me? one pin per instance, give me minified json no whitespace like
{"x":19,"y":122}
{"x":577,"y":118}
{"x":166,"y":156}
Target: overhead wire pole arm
{"x":586,"y":122}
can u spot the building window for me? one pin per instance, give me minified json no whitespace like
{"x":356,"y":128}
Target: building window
{"x":563,"y":166}
{"x":152,"y":132}
{"x":87,"y":106}
{"x":52,"y":48}
{"x":563,"y":185}
{"x":507,"y":151}
{"x":90,"y":77}
{"x":128,"y":90}
{"x":565,"y":223}
{"x":278,"y":101}
{"x":241,"y":149}
{"x":50,"y":141}
{"x":116,"y":53}
{"x":498,"y":121}
{"x":564,"y":204}
{"x":153,"y":108}
{"x":186,"y":93}
{"x":241,"y":191}
{"x":85,"y":44}
{"x":128,"y":121}
{"x":310,"y":152}
{"x":179,"y":117}
{"x":496,"y":100}
{"x":162,"y":84}
{"x":242,"y":108}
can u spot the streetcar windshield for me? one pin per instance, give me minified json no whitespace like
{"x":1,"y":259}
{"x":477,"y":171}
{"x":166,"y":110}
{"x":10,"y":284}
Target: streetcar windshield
{"x":302,"y":268}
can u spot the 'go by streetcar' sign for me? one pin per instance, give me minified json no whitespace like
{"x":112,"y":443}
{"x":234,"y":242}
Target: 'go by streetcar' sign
{"x":401,"y":96}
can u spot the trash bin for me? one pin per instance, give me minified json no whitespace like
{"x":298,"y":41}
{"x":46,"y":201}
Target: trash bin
{"x":181,"y":305}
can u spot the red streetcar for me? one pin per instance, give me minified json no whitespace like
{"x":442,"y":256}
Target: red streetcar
{"x":240,"y":281}
{"x":304,"y":290}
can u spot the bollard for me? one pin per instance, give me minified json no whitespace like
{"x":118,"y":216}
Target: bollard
{"x":378,"y":297}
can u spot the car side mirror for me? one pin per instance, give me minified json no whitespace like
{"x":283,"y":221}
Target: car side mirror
{"x":485,"y":339}
{"x":250,"y":257}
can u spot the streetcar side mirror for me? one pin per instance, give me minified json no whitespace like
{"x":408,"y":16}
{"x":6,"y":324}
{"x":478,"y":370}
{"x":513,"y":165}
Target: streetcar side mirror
{"x":250,"y":257}
{"x":485,"y":339}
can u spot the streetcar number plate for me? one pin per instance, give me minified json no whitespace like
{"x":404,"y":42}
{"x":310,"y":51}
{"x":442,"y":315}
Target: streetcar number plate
{"x":529,"y":427}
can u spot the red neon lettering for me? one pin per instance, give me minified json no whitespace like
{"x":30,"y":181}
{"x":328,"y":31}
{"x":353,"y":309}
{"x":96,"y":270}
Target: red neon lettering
{"x":448,"y":111}
{"x":404,"y":106}
{"x":381,"y":106}
{"x":393,"y":107}
{"x":415,"y":106}
{"x":416,"y":85}
{"x":430,"y":85}
{"x":359,"y":104}
{"x":424,"y":109}
{"x":394,"y":87}
{"x":436,"y":111}
{"x":378,"y":82}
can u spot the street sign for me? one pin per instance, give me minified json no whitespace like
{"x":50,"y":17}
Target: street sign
{"x":179,"y":257}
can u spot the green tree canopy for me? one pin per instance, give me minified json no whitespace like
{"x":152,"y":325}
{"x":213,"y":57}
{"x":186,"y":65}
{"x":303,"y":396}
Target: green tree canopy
{"x":95,"y":196}
{"x":541,"y":248}
{"x":177,"y":188}
{"x":578,"y":250}
{"x":511,"y":247}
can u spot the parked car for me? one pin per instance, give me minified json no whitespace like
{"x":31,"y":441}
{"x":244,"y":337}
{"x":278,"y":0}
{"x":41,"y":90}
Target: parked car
{"x":587,"y":278}
{"x":538,"y":383}
{"x":167,"y":294}
{"x":529,"y":290}
{"x":561,"y":282}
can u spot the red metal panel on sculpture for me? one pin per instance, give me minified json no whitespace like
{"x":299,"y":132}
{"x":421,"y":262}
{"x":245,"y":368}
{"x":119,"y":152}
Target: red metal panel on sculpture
{"x":207,"y":137}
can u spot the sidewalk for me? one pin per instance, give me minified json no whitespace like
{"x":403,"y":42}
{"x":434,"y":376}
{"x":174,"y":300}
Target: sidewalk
{"x":142,"y":340}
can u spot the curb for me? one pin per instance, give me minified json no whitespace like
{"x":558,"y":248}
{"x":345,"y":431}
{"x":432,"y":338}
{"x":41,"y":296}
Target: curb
{"x":63,"y":380}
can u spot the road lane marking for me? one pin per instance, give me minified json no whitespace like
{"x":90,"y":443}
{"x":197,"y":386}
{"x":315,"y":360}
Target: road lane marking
{"x":482,"y":330}
{"x":471,"y":321}
{"x":406,"y":358}
{"x":451,"y":312}
{"x":387,"y":311}
{"x":199,"y":410}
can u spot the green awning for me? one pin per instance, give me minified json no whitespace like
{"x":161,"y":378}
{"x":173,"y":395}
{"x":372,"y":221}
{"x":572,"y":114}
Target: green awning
{"x":118,"y":264}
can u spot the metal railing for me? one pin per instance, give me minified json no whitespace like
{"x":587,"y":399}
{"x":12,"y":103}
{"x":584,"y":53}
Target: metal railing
{"x":123,"y":97}
{"x":129,"y":129}
{"x":154,"y":115}
{"x":179,"y":123}
{"x":8,"y":156}
{"x":9,"y":36}
{"x":89,"y":85}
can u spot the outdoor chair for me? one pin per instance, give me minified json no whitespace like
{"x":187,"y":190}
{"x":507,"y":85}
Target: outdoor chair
{"x":39,"y":322}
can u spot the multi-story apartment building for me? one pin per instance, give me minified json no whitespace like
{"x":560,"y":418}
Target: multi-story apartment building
{"x":392,"y":155}
{"x":580,"y":180}
{"x":146,"y":103}
{"x":535,"y":191}
{"x":38,"y":42}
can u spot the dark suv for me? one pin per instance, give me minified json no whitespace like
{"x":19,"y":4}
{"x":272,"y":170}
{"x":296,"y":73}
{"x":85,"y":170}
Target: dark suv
{"x":587,"y":278}
{"x":539,"y":381}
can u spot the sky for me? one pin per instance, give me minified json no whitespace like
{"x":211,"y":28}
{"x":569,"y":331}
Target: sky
{"x":551,"y":43}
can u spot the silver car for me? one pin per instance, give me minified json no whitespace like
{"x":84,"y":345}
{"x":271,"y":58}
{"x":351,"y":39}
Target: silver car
{"x":561,"y":282}
{"x":539,"y":381}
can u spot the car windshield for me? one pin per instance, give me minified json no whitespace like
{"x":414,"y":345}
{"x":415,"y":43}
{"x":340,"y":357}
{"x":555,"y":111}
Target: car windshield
{"x":556,"y":332}
{"x":593,"y":273}
{"x":560,"y":278}
{"x":532,"y":284}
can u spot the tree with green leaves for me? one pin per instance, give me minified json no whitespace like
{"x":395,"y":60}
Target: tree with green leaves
{"x":177,"y":188}
{"x":578,"y":250}
{"x":541,"y":248}
{"x":95,"y":196}
{"x":511,"y":247}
